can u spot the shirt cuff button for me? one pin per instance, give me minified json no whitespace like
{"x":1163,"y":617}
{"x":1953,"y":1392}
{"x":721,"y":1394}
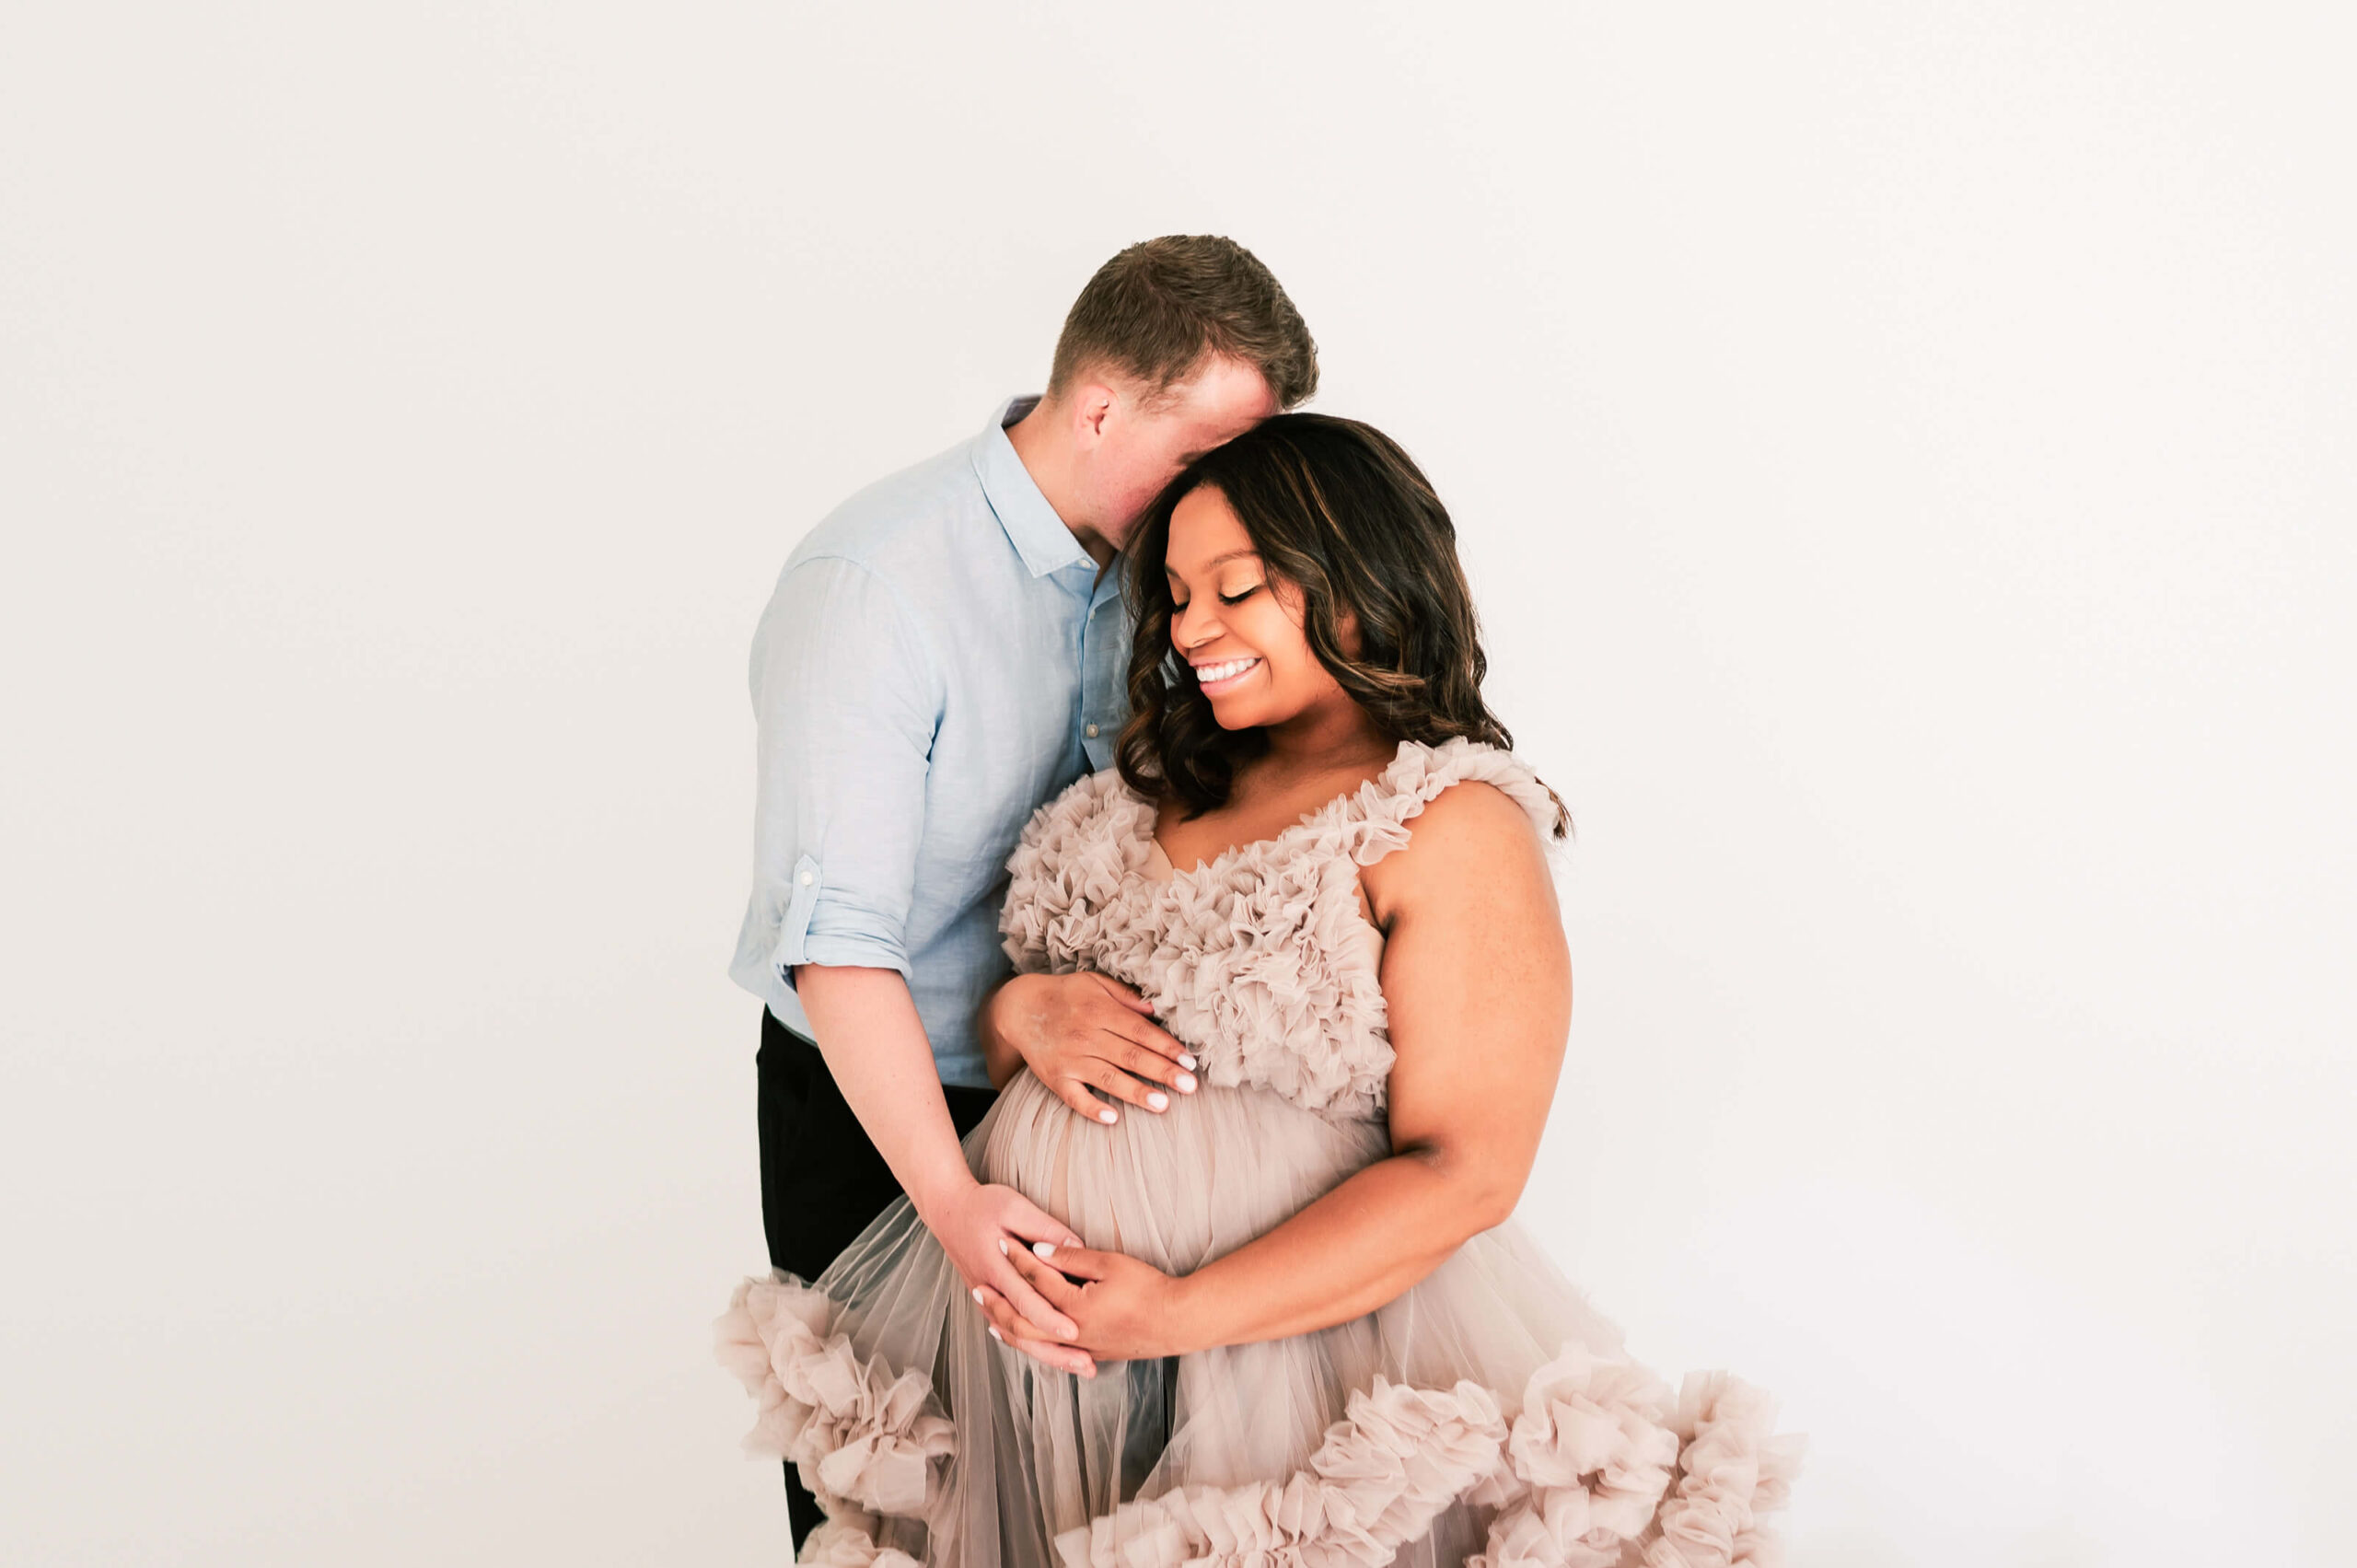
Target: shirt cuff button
{"x":805,"y":878}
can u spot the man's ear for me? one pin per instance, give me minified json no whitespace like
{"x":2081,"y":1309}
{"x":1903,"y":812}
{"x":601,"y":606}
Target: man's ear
{"x":1092,"y":407}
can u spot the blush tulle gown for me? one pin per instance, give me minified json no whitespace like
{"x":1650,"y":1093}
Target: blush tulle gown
{"x":1488,"y":1416}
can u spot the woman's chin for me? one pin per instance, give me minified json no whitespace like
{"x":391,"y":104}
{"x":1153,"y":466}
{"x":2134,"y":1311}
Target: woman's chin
{"x":1233,"y":714}
{"x":1238,"y":714}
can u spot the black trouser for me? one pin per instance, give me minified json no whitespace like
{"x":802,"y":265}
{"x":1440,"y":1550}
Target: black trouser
{"x":823,"y":1179}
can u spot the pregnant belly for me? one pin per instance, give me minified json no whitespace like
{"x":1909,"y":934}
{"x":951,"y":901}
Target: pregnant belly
{"x":1176,"y":1189}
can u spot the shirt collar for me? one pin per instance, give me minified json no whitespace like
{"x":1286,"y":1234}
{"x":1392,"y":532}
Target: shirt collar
{"x":1032,"y":526}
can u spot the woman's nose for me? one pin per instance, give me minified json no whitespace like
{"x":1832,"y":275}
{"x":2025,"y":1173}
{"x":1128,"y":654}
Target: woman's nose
{"x":1181,"y":619}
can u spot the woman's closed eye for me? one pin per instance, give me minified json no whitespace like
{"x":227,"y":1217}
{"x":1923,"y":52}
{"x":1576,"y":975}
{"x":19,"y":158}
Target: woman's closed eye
{"x":1177,"y":608}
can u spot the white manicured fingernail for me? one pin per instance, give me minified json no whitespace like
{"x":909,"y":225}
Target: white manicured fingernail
{"x":1106,"y":1117}
{"x":1159,"y":1101}
{"x":994,"y":1333}
{"x":1187,"y":1082}
{"x":978,"y":1296}
{"x":1002,"y":1248}
{"x":1185,"y":1059}
{"x":1044,"y":1249}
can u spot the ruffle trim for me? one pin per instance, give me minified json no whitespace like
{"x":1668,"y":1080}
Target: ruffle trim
{"x":1602,"y":1472}
{"x":847,"y":1541}
{"x":1732,"y":1467}
{"x":1596,"y":1471}
{"x":861,"y":1438}
{"x":1253,"y":960}
{"x":1588,"y":1460}
{"x":1374,"y":822}
{"x":1377,"y":1482}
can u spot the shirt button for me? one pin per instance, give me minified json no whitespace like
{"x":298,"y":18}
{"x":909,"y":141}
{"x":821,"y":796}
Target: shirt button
{"x":805,"y":878}
{"x":1090,"y":732}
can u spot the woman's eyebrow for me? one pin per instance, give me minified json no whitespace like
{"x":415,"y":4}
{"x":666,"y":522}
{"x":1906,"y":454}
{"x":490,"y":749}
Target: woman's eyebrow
{"x":1171,"y":571}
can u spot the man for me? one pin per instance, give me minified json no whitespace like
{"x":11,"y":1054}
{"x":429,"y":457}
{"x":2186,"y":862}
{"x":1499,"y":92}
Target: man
{"x":944,"y":652}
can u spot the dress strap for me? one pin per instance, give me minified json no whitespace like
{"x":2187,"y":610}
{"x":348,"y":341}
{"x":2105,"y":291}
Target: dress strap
{"x":1374,"y":822}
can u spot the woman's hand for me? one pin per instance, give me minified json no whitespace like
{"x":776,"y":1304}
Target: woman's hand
{"x":1082,"y":1031}
{"x":1122,"y":1309}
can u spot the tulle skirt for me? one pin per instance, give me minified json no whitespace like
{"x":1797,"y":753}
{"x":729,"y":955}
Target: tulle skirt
{"x":1488,"y":1416}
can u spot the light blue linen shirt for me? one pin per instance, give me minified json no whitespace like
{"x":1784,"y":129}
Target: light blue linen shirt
{"x":939,"y":659}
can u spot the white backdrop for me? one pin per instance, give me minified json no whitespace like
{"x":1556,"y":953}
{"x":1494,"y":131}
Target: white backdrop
{"x":1904,"y":457}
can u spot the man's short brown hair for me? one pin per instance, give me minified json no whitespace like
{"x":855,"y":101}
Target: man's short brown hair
{"x":1156,"y":310}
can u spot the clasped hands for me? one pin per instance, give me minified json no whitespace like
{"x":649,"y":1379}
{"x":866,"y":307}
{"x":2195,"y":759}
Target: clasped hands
{"x":1079,"y":1033}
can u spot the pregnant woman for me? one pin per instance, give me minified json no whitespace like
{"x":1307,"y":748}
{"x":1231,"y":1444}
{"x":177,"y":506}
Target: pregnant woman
{"x":1306,"y":1330}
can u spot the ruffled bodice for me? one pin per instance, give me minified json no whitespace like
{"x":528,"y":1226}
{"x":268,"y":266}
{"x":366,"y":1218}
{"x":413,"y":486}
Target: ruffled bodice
{"x":1257,"y":962}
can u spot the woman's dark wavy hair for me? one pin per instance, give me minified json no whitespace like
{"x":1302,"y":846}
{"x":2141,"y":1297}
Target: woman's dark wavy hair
{"x":1341,"y":512}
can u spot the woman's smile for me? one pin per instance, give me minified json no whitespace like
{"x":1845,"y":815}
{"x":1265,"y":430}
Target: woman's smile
{"x":1225,"y":675}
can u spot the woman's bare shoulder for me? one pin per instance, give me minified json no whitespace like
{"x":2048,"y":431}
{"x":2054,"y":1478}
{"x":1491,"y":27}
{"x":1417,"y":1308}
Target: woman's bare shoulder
{"x":1470,"y":835}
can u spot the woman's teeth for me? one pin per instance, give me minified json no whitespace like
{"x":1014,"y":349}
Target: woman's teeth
{"x":1211,"y":674}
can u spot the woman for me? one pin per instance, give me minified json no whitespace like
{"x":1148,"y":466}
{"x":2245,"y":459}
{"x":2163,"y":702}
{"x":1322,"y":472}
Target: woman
{"x":1308,"y":1330}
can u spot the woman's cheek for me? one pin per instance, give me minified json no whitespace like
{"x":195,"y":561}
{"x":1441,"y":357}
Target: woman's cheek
{"x":1296,"y":666}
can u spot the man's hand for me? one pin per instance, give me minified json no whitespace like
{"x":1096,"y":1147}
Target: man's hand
{"x":1083,"y":1031}
{"x":985,"y":1229}
{"x":1121,"y":1309}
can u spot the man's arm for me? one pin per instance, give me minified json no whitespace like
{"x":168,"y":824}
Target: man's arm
{"x":847,"y":698}
{"x":874,"y":1045}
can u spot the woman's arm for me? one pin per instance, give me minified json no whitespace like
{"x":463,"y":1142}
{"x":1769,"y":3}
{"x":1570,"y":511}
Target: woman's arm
{"x":1002,"y":1058}
{"x":1477,"y":982}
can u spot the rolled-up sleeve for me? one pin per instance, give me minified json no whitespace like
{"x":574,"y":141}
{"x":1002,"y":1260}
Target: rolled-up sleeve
{"x":846,"y":699}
